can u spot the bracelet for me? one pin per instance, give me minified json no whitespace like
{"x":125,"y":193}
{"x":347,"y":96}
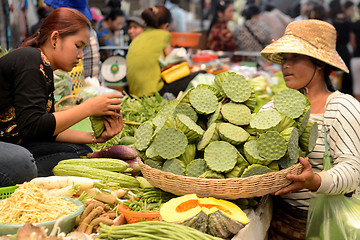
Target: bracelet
{"x":93,"y":138}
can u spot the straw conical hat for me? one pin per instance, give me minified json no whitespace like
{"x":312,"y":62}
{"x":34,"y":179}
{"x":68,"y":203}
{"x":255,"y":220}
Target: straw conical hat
{"x":312,"y":38}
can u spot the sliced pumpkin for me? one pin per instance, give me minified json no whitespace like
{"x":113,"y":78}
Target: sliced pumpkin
{"x":217,"y":217}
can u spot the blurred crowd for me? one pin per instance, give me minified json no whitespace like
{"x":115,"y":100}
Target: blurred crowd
{"x":259,"y":23}
{"x":263,"y":23}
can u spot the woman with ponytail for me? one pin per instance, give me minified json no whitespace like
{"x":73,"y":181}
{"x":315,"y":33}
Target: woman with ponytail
{"x":142,"y":61}
{"x":27,"y":116}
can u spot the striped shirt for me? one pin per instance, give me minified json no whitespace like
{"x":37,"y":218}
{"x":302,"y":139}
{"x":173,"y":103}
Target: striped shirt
{"x":342,"y":124}
{"x":91,"y":57}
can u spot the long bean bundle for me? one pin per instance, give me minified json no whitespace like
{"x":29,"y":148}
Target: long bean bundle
{"x":152,"y":230}
{"x":149,"y":200}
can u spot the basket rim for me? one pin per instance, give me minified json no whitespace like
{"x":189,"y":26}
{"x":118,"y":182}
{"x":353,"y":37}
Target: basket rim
{"x":124,"y":210}
{"x":227,"y":188}
{"x":221,"y":180}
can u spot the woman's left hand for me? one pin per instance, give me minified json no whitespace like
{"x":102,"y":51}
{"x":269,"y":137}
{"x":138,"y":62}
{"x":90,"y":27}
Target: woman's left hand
{"x":113,"y":126}
{"x":306,"y":179}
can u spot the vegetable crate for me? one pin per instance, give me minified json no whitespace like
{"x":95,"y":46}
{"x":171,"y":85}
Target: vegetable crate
{"x":134,"y":217}
{"x":6,"y":192}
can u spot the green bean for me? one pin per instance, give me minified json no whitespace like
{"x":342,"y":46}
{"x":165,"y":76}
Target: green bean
{"x":160,"y":229}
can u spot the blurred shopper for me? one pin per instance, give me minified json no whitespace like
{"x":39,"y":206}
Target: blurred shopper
{"x":136,"y":26}
{"x":305,"y":7}
{"x":108,"y":31}
{"x":318,"y":12}
{"x":275,"y":19}
{"x":142,"y":61}
{"x":110,"y":6}
{"x":355,"y":60}
{"x":178,"y":14}
{"x":42,"y":13}
{"x":220,"y":37}
{"x":143,"y":68}
{"x":340,"y":21}
{"x":96,"y":17}
{"x":252,"y":35}
{"x":349,"y":10}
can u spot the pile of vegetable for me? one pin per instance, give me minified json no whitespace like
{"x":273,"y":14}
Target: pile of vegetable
{"x":134,"y":109}
{"x":3,"y":52}
{"x":96,"y":212}
{"x":31,"y":204}
{"x":148,"y":199}
{"x":107,"y":170}
{"x":63,"y":85}
{"x":153,"y":230}
{"x":213,"y":131}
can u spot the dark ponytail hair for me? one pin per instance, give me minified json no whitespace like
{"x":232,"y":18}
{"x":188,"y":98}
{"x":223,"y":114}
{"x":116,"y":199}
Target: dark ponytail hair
{"x":220,"y":6}
{"x":66,"y":21}
{"x":250,"y":11}
{"x":327,"y":71}
{"x":156,"y":16}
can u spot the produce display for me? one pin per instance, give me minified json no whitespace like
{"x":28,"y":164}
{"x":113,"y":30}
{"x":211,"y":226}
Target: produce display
{"x":134,"y":110}
{"x":214,"y":131}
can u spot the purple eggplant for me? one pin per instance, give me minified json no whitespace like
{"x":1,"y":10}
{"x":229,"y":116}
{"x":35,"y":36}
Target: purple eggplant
{"x":123,"y":152}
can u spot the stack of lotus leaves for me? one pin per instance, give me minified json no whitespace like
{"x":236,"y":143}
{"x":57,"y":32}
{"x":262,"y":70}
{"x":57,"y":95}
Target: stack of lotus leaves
{"x":212,"y":131}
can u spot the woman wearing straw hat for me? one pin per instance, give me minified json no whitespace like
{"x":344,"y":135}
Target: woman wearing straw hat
{"x":307,"y":56}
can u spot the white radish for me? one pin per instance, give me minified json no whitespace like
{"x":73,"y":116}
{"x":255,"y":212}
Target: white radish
{"x":119,"y":192}
{"x":99,"y":195}
{"x":58,"y":182}
{"x":68,"y":191}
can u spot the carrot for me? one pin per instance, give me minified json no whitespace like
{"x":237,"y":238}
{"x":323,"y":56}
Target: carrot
{"x":93,"y":214}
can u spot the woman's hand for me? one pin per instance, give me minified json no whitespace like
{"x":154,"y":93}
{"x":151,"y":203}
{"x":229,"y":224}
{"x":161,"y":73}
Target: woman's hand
{"x":113,"y":126}
{"x":104,"y":105}
{"x":306,"y":179}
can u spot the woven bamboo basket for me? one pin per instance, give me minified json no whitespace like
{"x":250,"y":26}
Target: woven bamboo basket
{"x":230,"y":188}
{"x":59,"y":108}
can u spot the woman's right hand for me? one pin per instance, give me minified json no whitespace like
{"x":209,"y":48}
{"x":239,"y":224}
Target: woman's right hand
{"x":113,"y":126}
{"x":107,"y":104}
{"x":307,"y":179}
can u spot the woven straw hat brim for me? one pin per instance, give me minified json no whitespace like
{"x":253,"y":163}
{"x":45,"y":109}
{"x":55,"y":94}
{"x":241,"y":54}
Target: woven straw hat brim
{"x":294,"y":44}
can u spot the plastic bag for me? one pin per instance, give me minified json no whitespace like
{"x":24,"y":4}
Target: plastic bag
{"x":93,"y":91}
{"x":201,"y":78}
{"x":259,"y":221}
{"x":62,"y":84}
{"x":333,"y":217}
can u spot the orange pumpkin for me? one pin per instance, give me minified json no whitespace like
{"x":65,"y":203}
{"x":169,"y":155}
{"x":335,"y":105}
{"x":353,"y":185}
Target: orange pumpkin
{"x":217,"y":217}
